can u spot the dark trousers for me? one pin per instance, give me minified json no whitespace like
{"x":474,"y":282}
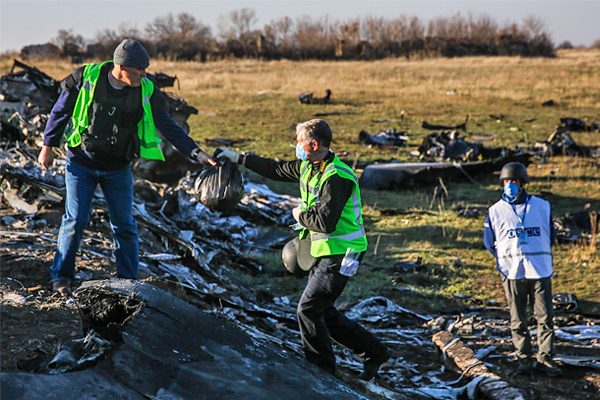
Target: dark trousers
{"x":320,"y":321}
{"x":538,"y":292}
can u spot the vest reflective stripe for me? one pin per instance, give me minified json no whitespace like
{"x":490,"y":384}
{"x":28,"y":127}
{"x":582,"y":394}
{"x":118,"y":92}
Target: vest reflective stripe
{"x":540,"y":253}
{"x":349,"y":236}
{"x":349,"y":232}
{"x":149,"y":140}
{"x":348,"y":171}
{"x":518,"y":261}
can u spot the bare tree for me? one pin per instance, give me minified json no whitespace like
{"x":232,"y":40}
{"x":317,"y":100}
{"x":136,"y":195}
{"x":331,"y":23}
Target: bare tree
{"x":483,"y":29}
{"x":349,"y":30}
{"x":280,"y":31}
{"x":180,"y":37}
{"x":373,"y":29}
{"x":314,"y":38}
{"x":105,"y":41}
{"x":438,"y":27}
{"x":382,"y":34}
{"x":458,"y":28}
{"x":278,"y":37}
{"x":401,"y":28}
{"x":106,"y":35}
{"x":512,"y":31}
{"x":125,"y":30}
{"x":533,"y":27}
{"x":184,"y":27}
{"x":243,"y":20}
{"x":235,"y":31}
{"x":69,"y":43}
{"x":416,"y":29}
{"x":236,"y":24}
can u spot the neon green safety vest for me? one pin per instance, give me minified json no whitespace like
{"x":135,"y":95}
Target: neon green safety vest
{"x":149,"y":140}
{"x":350,"y":231}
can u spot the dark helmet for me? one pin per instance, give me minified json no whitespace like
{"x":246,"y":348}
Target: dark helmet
{"x":289,"y":255}
{"x":514,"y":170}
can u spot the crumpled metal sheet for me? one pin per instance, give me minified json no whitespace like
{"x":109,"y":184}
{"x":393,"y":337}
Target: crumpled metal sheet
{"x":579,"y":361}
{"x":381,"y":309}
{"x":80,"y":353}
{"x":170,"y":349}
{"x":388,"y":137}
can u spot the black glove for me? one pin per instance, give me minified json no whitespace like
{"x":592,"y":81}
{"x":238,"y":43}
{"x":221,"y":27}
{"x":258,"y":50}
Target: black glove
{"x":231,"y":155}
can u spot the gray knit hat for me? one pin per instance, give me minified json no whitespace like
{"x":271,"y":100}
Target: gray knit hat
{"x":130,"y":53}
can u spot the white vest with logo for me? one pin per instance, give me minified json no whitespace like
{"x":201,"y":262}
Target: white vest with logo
{"x":515,"y":260}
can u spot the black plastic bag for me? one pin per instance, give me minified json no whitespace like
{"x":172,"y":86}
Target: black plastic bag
{"x":220,"y":187}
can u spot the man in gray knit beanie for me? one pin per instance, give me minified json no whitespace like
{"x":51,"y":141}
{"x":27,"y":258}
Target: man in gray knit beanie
{"x":131,"y":60}
{"x":130,"y":53}
{"x":118,"y":121}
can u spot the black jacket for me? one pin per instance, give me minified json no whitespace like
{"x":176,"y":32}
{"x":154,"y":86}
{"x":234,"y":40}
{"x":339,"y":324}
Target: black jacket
{"x":335,"y":191}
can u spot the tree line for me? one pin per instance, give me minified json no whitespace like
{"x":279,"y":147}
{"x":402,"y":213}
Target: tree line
{"x":182,"y":37}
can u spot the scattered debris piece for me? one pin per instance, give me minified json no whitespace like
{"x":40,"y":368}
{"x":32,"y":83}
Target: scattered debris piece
{"x":579,"y":361}
{"x":562,"y":143}
{"x":548,"y":103}
{"x":447,"y":145}
{"x":577,"y":226}
{"x":577,"y":125}
{"x":307,"y":98}
{"x":409,"y":265}
{"x":464,"y":359}
{"x":29,"y":85}
{"x":385,"y":120}
{"x":388,"y":137}
{"x":162,"y":80}
{"x":397,"y":176}
{"x":564,"y":301}
{"x":432,"y":127}
{"x":471,"y":213}
{"x":223,"y":142}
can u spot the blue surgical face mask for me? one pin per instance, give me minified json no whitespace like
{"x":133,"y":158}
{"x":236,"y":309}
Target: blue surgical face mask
{"x":301,"y":153}
{"x":511,"y":192}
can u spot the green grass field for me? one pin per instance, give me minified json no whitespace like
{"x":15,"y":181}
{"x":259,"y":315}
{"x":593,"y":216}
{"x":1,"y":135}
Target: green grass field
{"x":256,"y":102}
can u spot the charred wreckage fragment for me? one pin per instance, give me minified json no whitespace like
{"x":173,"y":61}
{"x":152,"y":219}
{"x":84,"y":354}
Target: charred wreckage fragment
{"x":447,"y":156}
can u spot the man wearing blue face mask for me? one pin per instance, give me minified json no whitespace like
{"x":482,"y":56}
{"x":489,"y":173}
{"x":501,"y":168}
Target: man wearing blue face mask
{"x":331,"y":215}
{"x":518,"y":233}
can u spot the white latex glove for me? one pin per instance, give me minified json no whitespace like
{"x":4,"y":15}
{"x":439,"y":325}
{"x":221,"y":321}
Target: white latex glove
{"x":231,"y":155}
{"x":296,"y":213}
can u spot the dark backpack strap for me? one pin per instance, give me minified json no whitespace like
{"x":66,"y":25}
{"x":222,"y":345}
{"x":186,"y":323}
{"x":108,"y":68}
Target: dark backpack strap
{"x":71,"y":81}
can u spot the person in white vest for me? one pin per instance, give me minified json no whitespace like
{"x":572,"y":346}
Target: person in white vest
{"x":518,"y":233}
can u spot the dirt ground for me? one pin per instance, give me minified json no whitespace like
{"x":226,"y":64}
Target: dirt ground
{"x":35,"y":321}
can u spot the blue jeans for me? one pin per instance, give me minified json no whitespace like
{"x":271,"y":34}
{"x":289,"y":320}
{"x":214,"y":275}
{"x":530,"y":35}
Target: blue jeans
{"x":117,"y":187}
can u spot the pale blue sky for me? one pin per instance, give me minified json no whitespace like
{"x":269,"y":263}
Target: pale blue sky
{"x":25,"y":22}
